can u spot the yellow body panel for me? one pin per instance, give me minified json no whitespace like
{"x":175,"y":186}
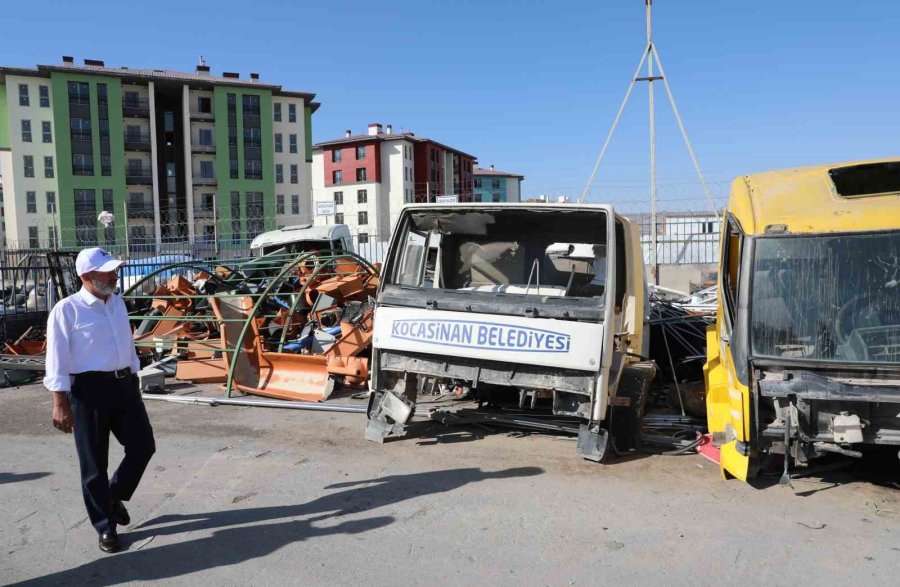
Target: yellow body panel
{"x":805,"y":200}
{"x":727,"y":405}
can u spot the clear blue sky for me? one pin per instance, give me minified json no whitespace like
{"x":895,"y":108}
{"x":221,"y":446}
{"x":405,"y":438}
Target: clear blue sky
{"x":531,"y":85}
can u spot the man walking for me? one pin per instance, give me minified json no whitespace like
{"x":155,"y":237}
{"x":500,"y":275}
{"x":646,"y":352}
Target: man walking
{"x":92,"y":371}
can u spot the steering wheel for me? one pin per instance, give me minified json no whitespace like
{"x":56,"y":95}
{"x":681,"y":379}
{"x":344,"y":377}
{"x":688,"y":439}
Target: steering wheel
{"x":844,"y":326}
{"x":841,"y":329}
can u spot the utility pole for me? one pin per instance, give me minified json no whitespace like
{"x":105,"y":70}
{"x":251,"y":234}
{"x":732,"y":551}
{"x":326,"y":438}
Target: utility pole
{"x":651,"y":56}
{"x":654,"y":260}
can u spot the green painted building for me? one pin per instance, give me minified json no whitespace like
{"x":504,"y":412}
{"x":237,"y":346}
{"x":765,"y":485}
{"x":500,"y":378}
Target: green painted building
{"x":172,"y":157}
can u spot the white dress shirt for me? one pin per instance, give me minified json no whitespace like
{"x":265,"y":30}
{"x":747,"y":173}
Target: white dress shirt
{"x":84,"y":333}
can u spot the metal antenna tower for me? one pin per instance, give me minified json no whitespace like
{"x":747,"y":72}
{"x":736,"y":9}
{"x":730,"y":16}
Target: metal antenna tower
{"x":650,"y":55}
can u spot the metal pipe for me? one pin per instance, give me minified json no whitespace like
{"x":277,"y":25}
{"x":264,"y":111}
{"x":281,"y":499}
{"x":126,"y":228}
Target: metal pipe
{"x":214,"y":401}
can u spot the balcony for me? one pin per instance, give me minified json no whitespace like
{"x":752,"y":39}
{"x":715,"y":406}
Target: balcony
{"x":137,"y":141}
{"x":205,"y":180}
{"x":136,"y":108}
{"x":201,"y":148}
{"x":140,"y":209}
{"x":204,"y":212}
{"x":138,"y":176}
{"x":202,"y":116}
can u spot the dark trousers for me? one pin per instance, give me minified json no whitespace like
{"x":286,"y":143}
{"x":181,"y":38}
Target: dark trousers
{"x":102,"y":404}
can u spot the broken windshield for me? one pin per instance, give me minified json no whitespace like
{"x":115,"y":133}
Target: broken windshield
{"x":548,"y":252}
{"x":828,"y":298}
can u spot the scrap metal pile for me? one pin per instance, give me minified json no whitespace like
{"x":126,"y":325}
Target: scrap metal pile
{"x":284,"y":326}
{"x":678,"y":346}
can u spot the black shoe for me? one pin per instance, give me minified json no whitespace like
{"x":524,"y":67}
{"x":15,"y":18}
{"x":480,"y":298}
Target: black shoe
{"x":120,"y":514}
{"x":109,"y":541}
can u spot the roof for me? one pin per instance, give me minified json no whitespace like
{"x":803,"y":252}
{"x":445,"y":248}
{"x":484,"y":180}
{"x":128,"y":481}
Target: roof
{"x":384,"y":137}
{"x":495,"y":173}
{"x":540,"y":206}
{"x":301,"y":232}
{"x":154,"y":74}
{"x":806,"y":201}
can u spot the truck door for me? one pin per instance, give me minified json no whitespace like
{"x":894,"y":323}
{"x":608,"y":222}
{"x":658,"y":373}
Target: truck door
{"x":727,"y":398}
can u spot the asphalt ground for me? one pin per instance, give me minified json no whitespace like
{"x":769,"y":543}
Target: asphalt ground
{"x":238,"y":496}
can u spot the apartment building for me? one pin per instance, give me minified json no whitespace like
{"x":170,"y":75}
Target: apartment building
{"x":174,"y":156}
{"x":493,"y":185}
{"x":370,"y":177}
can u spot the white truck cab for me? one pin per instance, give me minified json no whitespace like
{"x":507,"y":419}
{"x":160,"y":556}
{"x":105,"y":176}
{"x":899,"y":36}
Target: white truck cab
{"x":303,"y":237}
{"x":508,"y":302}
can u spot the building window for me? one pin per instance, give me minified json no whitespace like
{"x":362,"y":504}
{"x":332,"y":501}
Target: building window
{"x":23,"y":95}
{"x":204,"y":105}
{"x":47,"y":131}
{"x":48,"y":166}
{"x":339,"y":218}
{"x":294,"y":174}
{"x":207,"y":202}
{"x":233,"y":168}
{"x":279,"y":173}
{"x":338,"y":198}
{"x":51,"y":202}
{"x":363,"y":218}
{"x":29,"y":165}
{"x":82,"y":164}
{"x":497,"y":198}
{"x":295,"y":204}
{"x":363,"y":238}
{"x":235,"y":217}
{"x":336,"y":156}
{"x":337,"y":176}
{"x":204,"y":136}
{"x":495,"y":184}
{"x":129,"y":100}
{"x":26,"y":131}
{"x":361,"y":174}
{"x":52,"y":237}
{"x":278,"y":143}
{"x":279,"y":204}
{"x":293,"y":145}
{"x":44,"y":92}
{"x":31,"y":202}
{"x":360,"y":153}
{"x":253,"y":169}
{"x":277,"y":109}
{"x":477,"y":183}
{"x":78,"y":93}
{"x":33,"y":237}
{"x":81,"y":129}
{"x":292,"y":113}
{"x":206,"y":170}
{"x":101,"y":95}
{"x":362,"y":196}
{"x":255,"y":214}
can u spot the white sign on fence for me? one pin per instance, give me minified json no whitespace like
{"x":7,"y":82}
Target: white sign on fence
{"x":451,"y":199}
{"x":325,"y":208}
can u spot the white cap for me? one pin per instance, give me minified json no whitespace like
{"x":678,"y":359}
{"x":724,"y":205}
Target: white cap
{"x":96,"y":259}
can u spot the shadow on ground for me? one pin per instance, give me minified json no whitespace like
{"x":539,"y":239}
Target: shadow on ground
{"x":19,"y":477}
{"x":242,"y":535}
{"x":878,"y":466}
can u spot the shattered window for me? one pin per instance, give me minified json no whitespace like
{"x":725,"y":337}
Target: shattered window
{"x":553,"y":252}
{"x":831,"y":298}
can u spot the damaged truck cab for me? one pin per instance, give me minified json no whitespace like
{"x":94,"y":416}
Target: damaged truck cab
{"x":804,"y":357}
{"x":539,"y":305}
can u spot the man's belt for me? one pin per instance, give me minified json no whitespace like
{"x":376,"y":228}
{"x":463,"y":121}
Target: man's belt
{"x":120,"y":374}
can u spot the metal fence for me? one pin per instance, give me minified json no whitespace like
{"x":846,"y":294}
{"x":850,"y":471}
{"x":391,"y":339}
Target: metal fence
{"x":684,"y":240}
